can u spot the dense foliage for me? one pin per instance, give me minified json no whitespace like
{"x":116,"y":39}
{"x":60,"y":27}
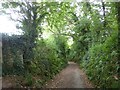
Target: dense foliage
{"x":97,"y":45}
{"x":93,"y":28}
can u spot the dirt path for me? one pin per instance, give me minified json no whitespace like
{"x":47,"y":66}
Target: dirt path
{"x":70,"y":77}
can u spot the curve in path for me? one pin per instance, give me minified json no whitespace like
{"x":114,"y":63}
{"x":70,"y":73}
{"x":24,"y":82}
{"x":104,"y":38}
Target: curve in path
{"x":70,"y":77}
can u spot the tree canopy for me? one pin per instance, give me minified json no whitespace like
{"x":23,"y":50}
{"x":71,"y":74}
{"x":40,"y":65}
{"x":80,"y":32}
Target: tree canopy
{"x":93,"y":29}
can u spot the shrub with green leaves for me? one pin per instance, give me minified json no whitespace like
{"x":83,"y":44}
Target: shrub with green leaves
{"x":101,"y":67}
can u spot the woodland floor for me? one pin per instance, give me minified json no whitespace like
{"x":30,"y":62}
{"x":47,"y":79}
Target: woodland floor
{"x":70,"y":77}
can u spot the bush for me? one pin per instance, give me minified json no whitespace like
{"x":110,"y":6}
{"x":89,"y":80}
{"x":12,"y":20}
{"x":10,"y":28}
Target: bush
{"x":102,"y":64}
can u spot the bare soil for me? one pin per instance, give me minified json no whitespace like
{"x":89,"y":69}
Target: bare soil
{"x":70,"y":77}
